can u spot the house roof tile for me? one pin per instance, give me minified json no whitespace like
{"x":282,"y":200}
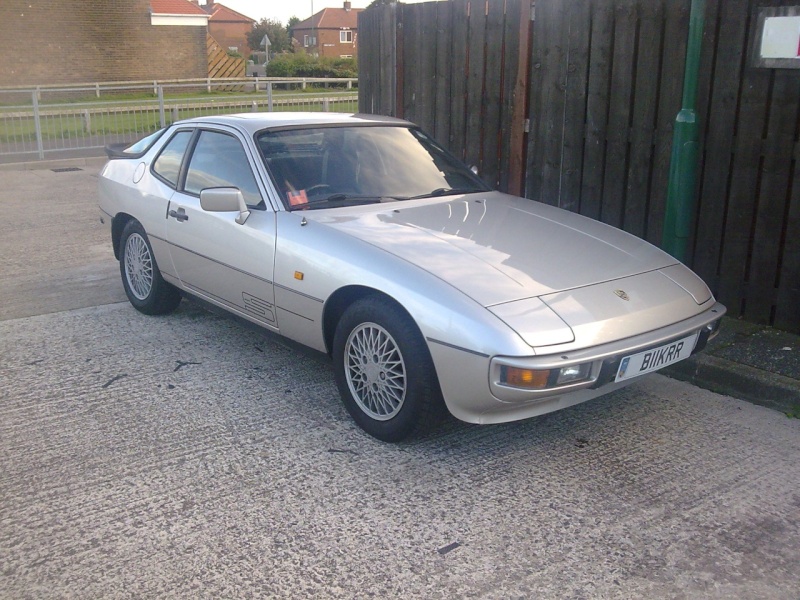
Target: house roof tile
{"x":175,"y":7}
{"x":220,"y":12}
{"x":331,"y":18}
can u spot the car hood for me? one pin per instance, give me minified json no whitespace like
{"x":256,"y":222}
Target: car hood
{"x":497,"y":248}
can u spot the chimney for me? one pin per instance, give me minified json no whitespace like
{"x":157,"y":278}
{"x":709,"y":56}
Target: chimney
{"x":347,"y":5}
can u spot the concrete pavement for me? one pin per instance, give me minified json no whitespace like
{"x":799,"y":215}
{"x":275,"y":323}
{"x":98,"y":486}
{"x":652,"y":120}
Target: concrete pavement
{"x":751,"y":362}
{"x":54,"y":254}
{"x":189,"y":457}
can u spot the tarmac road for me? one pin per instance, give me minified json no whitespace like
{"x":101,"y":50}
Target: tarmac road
{"x":187,"y":456}
{"x":54,"y":253}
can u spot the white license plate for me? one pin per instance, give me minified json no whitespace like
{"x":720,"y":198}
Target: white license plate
{"x":655,"y":358}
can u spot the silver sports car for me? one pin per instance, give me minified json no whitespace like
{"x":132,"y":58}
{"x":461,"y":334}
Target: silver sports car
{"x":361,"y":237}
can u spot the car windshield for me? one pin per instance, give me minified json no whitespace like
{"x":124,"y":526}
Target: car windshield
{"x":325,"y":167}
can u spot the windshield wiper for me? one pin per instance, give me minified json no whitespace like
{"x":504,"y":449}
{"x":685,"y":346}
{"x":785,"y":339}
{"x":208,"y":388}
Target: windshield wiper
{"x":445,"y":192}
{"x":339,"y":200}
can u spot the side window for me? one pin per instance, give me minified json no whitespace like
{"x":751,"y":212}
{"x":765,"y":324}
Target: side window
{"x":219,"y":160}
{"x":168,"y":164}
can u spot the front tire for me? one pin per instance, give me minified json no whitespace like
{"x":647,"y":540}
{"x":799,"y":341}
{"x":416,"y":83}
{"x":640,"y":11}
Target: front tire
{"x":145,"y":287}
{"x":384,"y":371}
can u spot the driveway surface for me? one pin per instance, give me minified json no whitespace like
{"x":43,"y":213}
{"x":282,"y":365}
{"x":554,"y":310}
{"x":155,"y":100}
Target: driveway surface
{"x":188,"y":456}
{"x":54,"y":253}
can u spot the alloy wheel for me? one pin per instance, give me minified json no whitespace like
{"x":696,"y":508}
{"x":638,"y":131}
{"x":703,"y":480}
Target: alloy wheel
{"x":138,"y":266}
{"x":375,"y":371}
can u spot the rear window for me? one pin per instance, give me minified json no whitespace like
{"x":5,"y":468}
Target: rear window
{"x":134,"y":150}
{"x":143,"y":145}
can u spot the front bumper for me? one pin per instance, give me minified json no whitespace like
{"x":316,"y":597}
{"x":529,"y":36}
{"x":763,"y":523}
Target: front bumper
{"x":461,"y":380}
{"x":604,"y":359}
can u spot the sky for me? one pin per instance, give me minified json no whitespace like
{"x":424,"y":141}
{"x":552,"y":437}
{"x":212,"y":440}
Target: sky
{"x":283,"y":9}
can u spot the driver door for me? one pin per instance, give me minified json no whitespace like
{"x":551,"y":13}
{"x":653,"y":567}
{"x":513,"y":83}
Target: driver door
{"x":214,"y":257}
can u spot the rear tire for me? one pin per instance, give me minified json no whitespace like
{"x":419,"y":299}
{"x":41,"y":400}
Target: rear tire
{"x":384,"y":371}
{"x":145,"y":287}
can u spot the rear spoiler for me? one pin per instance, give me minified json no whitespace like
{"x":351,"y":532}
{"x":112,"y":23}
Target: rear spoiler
{"x":118,"y":151}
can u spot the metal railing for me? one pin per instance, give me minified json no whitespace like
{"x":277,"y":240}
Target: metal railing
{"x":48,"y":120}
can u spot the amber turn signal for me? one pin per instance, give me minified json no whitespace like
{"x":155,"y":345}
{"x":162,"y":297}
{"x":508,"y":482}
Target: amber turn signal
{"x":525,"y":378}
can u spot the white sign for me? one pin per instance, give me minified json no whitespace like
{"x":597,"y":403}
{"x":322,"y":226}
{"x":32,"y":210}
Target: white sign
{"x":781,"y":38}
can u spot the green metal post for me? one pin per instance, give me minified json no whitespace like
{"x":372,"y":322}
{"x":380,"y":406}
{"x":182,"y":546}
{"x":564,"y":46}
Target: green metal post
{"x":680,"y":209}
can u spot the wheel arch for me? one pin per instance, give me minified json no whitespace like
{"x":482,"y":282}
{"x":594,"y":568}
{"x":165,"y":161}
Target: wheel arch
{"x":118,"y":224}
{"x":344,"y":297}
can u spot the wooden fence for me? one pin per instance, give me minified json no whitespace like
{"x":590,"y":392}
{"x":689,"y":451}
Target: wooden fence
{"x":572,"y":104}
{"x":220,"y":63}
{"x":453,"y":69}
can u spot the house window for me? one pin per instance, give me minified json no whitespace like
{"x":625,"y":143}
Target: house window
{"x":345,"y":56}
{"x":346,"y":37}
{"x":309,"y":40}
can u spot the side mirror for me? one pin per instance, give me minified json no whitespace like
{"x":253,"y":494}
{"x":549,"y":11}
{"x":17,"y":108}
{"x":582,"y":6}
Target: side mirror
{"x":225,"y":199}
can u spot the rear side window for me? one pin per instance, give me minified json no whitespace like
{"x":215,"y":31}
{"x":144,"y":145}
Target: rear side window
{"x":168,"y":164}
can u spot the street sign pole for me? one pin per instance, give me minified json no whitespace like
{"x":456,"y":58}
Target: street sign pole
{"x":681,"y":190}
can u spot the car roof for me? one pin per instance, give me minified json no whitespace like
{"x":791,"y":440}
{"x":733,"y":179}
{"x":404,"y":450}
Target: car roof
{"x":253,"y":122}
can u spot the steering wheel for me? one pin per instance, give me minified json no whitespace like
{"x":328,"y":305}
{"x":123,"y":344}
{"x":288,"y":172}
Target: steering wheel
{"x":317,"y":188}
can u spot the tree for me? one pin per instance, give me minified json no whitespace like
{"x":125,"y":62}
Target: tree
{"x":276,"y":33}
{"x":380,"y":3}
{"x":290,"y":25}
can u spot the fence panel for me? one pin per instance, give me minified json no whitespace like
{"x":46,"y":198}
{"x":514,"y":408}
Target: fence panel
{"x":409,"y":60}
{"x":18,"y":133}
{"x":670,"y":83}
{"x":58,"y":120}
{"x":443,"y":80}
{"x":476,"y":62}
{"x":458,"y":78}
{"x":515,"y":78}
{"x":424,"y":96}
{"x":643,"y":119}
{"x":604,"y":92}
{"x":574,"y":127}
{"x":492,"y":103}
{"x":220,"y":63}
{"x":378,"y":47}
{"x":759,"y":268}
{"x":388,"y":58}
{"x":787,"y":304}
{"x":458,"y":75}
{"x":746,"y":242}
{"x":726,"y":18}
{"x":597,"y":93}
{"x":548,"y":83}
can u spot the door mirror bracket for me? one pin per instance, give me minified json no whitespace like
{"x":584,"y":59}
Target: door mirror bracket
{"x":225,"y":199}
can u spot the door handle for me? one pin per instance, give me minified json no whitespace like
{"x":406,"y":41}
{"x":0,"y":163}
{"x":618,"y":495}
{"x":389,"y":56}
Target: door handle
{"x":179,"y":214}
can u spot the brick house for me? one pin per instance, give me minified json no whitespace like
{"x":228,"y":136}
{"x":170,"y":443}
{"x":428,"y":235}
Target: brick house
{"x":79,"y":42}
{"x":229,"y":28}
{"x":332,"y":32}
